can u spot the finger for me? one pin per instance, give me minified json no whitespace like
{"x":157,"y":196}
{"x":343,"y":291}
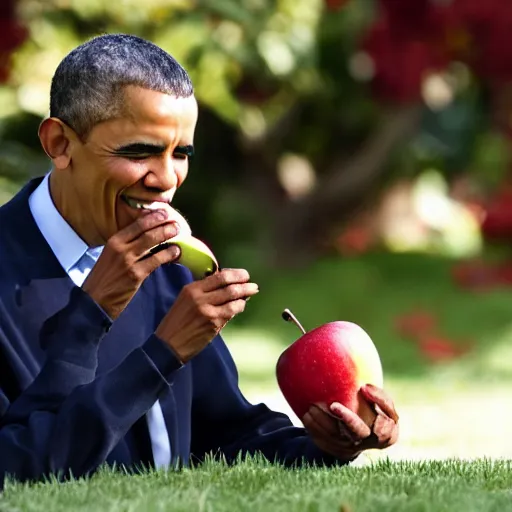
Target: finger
{"x":384,"y":429}
{"x":355,"y":425}
{"x":231,"y":309}
{"x":316,"y":429}
{"x":311,"y":426}
{"x":225,"y":278}
{"x":338,"y":428}
{"x":232,"y":292}
{"x":181,"y":220}
{"x":175,"y":215}
{"x":152,"y":241}
{"x":157,"y":259}
{"x":327,"y":422}
{"x":381,"y":398}
{"x":147,"y":220}
{"x":333,"y":425}
{"x":394,"y":435}
{"x":326,"y":442}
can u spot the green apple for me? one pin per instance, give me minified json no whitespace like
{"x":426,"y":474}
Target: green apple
{"x":195,"y":255}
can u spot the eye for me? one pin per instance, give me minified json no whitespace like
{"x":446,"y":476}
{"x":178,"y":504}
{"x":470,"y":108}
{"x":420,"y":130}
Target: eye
{"x":183,"y":152}
{"x":139,"y":151}
{"x":136,"y":157}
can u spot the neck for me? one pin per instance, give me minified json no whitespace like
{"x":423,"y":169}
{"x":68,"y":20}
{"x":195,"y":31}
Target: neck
{"x":67,"y":202}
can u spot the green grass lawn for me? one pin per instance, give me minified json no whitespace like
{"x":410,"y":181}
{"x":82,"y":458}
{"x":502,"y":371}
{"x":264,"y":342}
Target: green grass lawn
{"x":256,"y":486}
{"x":457,"y":409}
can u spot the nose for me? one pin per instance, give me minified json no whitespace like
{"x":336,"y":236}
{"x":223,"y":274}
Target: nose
{"x":162,"y":175}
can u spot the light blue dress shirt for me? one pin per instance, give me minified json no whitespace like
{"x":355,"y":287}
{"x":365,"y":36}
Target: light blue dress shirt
{"x":77,"y":259}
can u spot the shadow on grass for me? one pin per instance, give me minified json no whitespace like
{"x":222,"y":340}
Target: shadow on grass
{"x":373,"y":291}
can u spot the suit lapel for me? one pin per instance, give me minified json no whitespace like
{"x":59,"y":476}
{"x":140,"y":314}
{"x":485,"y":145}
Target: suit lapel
{"x":32,"y":278}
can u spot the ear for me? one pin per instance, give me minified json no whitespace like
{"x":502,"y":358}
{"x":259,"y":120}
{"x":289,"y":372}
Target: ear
{"x":56,"y":139}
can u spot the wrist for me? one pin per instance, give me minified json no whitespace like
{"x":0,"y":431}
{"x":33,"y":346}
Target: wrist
{"x":173,"y":346}
{"x":163,"y":356}
{"x":103,"y":303}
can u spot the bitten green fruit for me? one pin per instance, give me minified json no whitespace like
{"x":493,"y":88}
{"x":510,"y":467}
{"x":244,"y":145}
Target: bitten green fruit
{"x":195,"y":255}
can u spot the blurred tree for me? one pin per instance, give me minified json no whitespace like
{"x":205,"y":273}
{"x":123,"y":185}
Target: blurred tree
{"x":12,"y":34}
{"x":308,"y":107}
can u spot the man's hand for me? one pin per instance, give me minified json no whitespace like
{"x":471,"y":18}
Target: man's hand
{"x":123,"y":265}
{"x":342,"y":433}
{"x":202,"y":309}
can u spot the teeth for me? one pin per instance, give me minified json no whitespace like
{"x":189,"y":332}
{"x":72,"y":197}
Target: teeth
{"x":150,"y":206}
{"x":155,"y":205}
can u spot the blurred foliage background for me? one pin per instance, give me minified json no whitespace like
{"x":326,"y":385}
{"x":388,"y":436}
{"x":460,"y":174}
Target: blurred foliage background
{"x":313,"y":112}
{"x":354,"y":155}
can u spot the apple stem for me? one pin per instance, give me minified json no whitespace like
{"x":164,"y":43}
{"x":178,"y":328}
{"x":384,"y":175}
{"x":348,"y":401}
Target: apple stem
{"x":290,"y":317}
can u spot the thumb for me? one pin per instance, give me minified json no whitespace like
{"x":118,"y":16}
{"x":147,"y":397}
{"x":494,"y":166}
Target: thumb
{"x":370,"y":392}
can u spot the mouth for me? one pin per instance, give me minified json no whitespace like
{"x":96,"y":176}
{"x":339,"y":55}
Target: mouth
{"x":175,"y":215}
{"x":146,"y":205}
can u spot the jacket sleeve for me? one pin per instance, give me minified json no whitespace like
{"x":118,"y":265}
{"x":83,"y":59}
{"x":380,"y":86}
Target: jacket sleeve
{"x":68,"y":420}
{"x":224,"y":423}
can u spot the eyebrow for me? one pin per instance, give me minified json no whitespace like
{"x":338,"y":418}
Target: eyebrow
{"x":185,"y":150}
{"x":152,"y":149}
{"x":141,"y":147}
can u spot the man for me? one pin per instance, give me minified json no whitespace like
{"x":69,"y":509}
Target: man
{"x":108,"y":355}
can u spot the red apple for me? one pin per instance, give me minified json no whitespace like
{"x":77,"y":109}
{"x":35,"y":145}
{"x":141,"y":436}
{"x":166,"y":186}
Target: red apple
{"x":329,"y":364}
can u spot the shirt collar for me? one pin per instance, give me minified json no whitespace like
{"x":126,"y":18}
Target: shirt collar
{"x":65,"y":243}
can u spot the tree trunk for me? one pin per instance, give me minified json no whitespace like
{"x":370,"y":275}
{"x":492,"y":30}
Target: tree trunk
{"x":304,"y":223}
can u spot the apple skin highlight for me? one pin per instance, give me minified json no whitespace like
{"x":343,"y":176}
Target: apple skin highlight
{"x":330,"y":364}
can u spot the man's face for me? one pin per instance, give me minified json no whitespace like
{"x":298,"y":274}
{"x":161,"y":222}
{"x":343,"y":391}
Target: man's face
{"x":131,"y":162}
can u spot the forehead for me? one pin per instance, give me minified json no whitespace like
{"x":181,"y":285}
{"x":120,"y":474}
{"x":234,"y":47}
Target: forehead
{"x":153,"y":106}
{"x":154,"y":115}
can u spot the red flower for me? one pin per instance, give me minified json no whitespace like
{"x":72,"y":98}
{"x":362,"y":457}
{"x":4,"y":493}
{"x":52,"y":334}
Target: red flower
{"x":478,"y":14}
{"x":12,"y":35}
{"x":356,"y":239}
{"x":497,"y":223}
{"x":7,"y":9}
{"x":416,"y":324}
{"x":496,"y":51}
{"x":403,"y":54}
{"x":474,"y":276}
{"x":504,"y":274}
{"x":437,"y":349}
{"x":405,"y":11}
{"x":488,"y":24}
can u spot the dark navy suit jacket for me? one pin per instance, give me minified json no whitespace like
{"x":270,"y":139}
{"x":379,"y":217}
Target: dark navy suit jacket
{"x":75,"y":387}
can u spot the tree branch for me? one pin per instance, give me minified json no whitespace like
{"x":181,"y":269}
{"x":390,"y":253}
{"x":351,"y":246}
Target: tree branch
{"x":303,"y":222}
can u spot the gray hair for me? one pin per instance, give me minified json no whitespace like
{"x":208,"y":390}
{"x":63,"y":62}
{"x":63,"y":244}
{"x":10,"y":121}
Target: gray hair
{"x":87,"y":87}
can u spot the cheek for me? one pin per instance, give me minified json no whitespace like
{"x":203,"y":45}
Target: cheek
{"x":125,"y":173}
{"x":181,"y":170}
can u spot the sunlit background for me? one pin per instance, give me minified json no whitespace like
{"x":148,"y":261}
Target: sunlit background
{"x":354,"y":156}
